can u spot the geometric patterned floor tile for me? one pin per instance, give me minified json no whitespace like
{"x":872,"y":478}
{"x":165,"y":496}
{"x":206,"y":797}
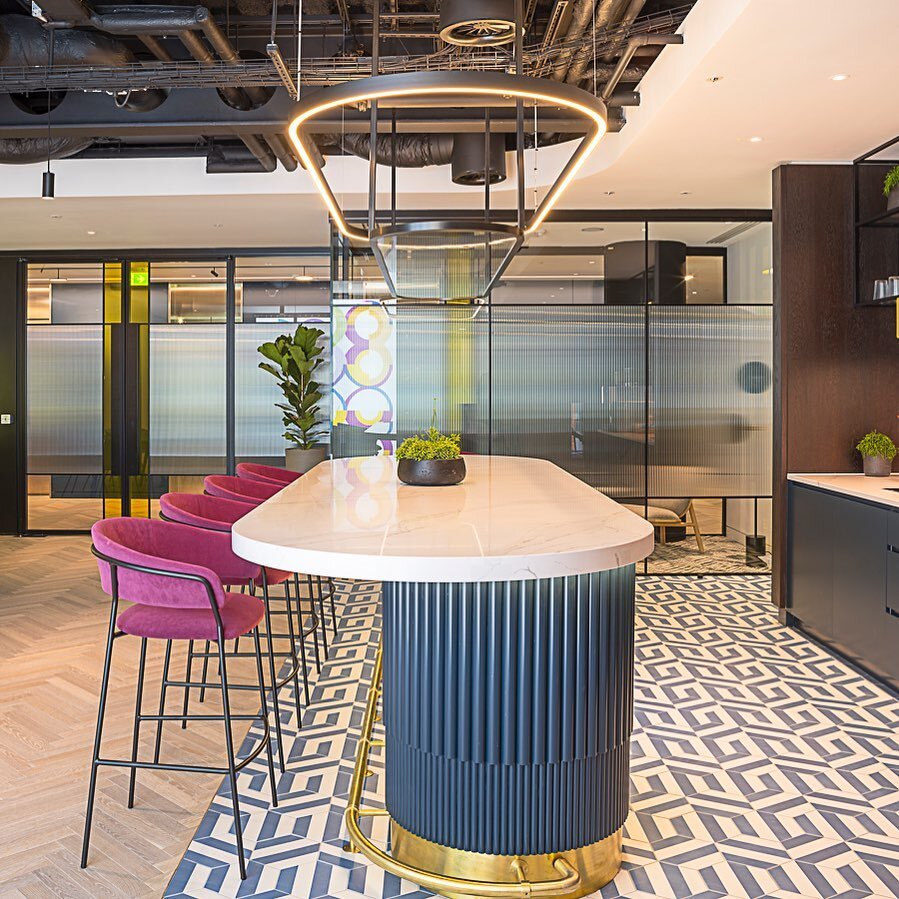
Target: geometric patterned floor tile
{"x":761,"y":766}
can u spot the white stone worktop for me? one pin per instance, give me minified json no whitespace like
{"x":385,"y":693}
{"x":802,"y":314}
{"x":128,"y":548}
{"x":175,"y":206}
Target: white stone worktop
{"x":857,"y":485}
{"x":510,"y":519}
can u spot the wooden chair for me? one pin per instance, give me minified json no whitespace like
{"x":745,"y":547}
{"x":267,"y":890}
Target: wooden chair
{"x":670,"y":513}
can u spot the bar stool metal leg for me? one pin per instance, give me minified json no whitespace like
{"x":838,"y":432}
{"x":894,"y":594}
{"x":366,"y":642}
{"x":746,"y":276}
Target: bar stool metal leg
{"x":203,"y":676}
{"x":187,"y":675}
{"x":132,"y":780}
{"x":101,"y":712}
{"x":302,"y":636}
{"x":320,"y":613}
{"x":162,"y":692}
{"x":264,"y":701}
{"x":232,"y":773}
{"x":333,"y":610}
{"x":271,"y":668}
{"x":296,"y":583}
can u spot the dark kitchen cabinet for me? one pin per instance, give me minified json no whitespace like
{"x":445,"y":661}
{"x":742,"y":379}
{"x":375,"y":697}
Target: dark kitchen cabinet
{"x":843,"y":576}
{"x":811,"y":560}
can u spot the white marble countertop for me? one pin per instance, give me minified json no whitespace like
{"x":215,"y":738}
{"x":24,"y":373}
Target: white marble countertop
{"x":510,"y":519}
{"x":872,"y":489}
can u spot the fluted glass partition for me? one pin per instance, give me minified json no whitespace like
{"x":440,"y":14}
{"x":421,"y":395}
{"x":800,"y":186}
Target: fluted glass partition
{"x":568,"y":385}
{"x":638,"y":357}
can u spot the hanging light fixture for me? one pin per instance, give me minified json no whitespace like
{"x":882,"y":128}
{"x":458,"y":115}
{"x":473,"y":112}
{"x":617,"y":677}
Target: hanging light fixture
{"x":484,"y":113}
{"x":48,"y":181}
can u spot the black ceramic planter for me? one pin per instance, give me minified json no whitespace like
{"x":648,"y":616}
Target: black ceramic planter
{"x":431,"y":472}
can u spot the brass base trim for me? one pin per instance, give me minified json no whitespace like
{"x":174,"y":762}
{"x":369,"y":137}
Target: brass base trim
{"x":597,"y":863}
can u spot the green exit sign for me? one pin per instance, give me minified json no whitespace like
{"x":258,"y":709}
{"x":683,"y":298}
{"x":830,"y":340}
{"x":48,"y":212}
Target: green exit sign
{"x":139,"y":279}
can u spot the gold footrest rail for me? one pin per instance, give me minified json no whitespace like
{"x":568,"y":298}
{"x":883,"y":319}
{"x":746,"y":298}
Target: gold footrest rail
{"x":518,"y":887}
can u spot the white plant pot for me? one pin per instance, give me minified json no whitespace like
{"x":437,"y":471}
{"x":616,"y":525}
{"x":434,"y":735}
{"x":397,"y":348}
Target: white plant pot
{"x":303,"y":460}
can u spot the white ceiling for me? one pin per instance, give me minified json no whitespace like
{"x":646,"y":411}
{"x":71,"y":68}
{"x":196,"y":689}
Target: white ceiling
{"x":687,"y":146}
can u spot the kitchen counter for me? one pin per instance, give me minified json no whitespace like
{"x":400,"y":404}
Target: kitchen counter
{"x":855,"y":485}
{"x":510,"y":519}
{"x":843,"y":566}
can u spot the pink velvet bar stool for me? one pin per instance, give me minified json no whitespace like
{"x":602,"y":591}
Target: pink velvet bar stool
{"x":266,"y":474}
{"x":241,"y":489}
{"x":218,"y":514}
{"x":280,"y":477}
{"x":245,"y":490}
{"x":169,"y":572}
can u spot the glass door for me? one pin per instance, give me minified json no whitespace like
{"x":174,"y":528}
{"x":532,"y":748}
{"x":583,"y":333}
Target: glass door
{"x":73,"y":475}
{"x":126,"y":384}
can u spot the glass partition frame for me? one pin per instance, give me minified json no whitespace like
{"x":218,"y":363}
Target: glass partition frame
{"x":743,"y":313}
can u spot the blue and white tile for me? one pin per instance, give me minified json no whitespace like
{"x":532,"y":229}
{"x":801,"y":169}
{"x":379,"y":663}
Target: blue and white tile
{"x":761,"y":766}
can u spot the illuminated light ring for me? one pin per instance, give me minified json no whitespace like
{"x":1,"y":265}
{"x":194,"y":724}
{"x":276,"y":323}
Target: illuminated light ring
{"x":427,"y":84}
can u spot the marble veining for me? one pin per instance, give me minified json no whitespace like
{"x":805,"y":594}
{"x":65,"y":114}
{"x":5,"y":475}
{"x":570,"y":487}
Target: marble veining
{"x":875,"y":490}
{"x":510,"y":519}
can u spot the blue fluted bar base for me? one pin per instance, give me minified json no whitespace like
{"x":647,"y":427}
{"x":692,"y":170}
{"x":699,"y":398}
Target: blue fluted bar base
{"x":508,"y":710}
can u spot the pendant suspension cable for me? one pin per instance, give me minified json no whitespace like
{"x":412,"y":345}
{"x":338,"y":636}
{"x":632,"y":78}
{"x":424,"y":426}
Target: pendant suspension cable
{"x":519,"y":114}
{"x":373,"y":130}
{"x":50,"y":54}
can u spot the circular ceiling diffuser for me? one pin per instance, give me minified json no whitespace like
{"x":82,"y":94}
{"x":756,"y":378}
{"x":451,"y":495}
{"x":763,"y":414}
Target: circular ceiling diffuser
{"x":477,"y":23}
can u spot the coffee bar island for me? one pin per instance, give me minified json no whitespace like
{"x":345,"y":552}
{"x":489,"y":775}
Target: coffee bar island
{"x":505,"y":677}
{"x":843,"y":566}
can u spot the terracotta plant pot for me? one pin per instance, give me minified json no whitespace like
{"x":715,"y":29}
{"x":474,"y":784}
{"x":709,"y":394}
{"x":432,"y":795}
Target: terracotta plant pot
{"x":303,"y":460}
{"x":431,"y":472}
{"x":877,"y":466}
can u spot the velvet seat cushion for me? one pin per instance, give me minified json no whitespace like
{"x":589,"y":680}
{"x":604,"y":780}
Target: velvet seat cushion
{"x":267,"y":474}
{"x":240,"y":614}
{"x":240,"y":489}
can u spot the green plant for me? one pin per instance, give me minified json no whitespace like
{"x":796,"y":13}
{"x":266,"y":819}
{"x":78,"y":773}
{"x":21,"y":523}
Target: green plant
{"x":877,"y":444}
{"x":296,"y":358}
{"x":891,"y":181}
{"x":430,"y":445}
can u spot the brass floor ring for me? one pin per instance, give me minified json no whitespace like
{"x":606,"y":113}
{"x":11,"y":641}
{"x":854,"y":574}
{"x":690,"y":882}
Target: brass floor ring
{"x":597,"y":863}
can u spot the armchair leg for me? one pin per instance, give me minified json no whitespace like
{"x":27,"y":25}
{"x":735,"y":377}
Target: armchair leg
{"x":695,"y":524}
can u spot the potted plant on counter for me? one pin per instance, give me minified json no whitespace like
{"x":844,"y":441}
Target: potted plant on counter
{"x":294,"y":359}
{"x":891,"y":188}
{"x":877,"y":452}
{"x":431,"y":459}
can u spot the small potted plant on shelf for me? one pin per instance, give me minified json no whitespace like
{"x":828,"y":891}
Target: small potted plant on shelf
{"x":877,"y":452}
{"x":891,"y":188}
{"x":294,"y":360}
{"x":431,"y":459}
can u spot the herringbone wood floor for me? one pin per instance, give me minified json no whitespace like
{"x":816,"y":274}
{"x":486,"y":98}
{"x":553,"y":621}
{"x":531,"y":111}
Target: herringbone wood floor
{"x":53,"y":620}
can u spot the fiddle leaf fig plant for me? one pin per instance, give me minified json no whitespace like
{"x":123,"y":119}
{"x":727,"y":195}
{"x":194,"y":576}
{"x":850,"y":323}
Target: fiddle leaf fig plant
{"x":877,"y":444}
{"x":293,"y":361}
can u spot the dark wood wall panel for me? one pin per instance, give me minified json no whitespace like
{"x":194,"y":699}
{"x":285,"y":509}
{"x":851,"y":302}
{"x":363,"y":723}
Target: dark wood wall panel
{"x":836,"y":365}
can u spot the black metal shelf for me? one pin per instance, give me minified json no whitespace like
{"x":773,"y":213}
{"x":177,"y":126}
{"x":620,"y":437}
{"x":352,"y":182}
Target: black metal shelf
{"x":876,"y":228}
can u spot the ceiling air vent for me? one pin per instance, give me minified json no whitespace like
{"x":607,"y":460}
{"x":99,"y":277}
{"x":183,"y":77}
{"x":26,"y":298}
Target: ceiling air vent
{"x":477,"y":23}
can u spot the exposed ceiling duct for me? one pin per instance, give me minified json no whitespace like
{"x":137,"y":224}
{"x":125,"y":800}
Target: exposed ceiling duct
{"x":23,"y":42}
{"x":139,"y":53}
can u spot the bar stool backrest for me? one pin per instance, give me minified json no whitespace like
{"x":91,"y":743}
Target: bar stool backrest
{"x":169,"y":552}
{"x":266,"y":474}
{"x":241,"y":489}
{"x":214,"y":513}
